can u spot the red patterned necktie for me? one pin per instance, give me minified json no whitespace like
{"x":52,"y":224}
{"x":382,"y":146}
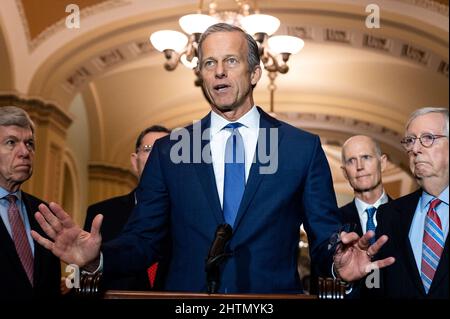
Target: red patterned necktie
{"x":433,"y":245}
{"x":151,"y":271}
{"x":19,"y":237}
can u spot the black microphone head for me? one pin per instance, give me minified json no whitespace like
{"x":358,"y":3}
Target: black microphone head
{"x":216,"y":256}
{"x":225,"y":231}
{"x":223,"y":235}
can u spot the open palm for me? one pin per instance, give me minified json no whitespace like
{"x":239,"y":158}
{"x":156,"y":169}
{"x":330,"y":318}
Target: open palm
{"x":67,"y":240}
{"x":353,"y":259}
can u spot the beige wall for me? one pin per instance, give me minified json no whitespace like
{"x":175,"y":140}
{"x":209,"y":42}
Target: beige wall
{"x":78,"y":144}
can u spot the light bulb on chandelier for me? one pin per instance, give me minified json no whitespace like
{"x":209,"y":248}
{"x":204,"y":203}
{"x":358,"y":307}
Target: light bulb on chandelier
{"x":275,"y":50}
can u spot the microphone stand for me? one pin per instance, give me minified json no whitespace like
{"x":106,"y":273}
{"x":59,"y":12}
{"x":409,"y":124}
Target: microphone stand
{"x":216,"y":256}
{"x":213,"y":273}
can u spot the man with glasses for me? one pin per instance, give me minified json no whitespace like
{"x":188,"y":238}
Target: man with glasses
{"x":117,"y":210}
{"x":417,"y":224}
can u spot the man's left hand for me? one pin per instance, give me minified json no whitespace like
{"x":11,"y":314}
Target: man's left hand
{"x":353,"y":257}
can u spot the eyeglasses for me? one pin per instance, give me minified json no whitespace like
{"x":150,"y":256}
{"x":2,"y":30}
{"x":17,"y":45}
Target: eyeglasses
{"x":427,"y":140}
{"x":145,"y":148}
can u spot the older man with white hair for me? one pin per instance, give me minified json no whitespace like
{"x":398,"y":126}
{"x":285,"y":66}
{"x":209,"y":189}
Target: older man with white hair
{"x":417,"y":224}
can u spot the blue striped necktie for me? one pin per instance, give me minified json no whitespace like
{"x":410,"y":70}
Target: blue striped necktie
{"x":432,"y":246}
{"x":234,"y":175}
{"x":370,"y":222}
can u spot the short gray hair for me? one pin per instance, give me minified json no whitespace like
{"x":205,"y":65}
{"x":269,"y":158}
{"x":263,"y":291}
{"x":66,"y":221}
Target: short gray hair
{"x":12,"y":115}
{"x":253,"y":50}
{"x":377,"y":146}
{"x":427,"y":110}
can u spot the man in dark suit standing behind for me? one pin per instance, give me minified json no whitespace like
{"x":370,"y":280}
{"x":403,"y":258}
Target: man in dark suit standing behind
{"x":28,"y":271}
{"x":417,"y":224}
{"x":362,"y":166}
{"x":117,"y":210}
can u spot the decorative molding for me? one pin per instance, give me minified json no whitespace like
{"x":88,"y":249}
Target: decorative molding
{"x":112,"y":173}
{"x":430,"y":5}
{"x":305,"y":33}
{"x":334,"y":130}
{"x":366,"y":40}
{"x":40,"y":111}
{"x":77,"y":79}
{"x":443,"y":68}
{"x":109,"y":59}
{"x":105,"y":61}
{"x":336,"y":120}
{"x":341,"y":36}
{"x":338,"y":123}
{"x":106,"y":181}
{"x":141,"y":47}
{"x":415,"y":54}
{"x":361,"y":39}
{"x":58,"y":26}
{"x":377,"y":43}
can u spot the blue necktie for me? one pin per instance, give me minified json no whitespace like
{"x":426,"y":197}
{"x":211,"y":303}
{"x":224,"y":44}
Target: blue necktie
{"x":370,"y":223}
{"x":234,"y":178}
{"x":433,"y":245}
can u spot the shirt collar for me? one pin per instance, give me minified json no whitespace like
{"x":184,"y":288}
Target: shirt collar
{"x":4,"y":192}
{"x":249,"y":120}
{"x":426,"y":198}
{"x":361,"y":206}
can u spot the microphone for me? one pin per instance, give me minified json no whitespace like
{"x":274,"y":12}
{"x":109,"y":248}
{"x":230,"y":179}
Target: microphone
{"x":216,"y":256}
{"x":223,"y":235}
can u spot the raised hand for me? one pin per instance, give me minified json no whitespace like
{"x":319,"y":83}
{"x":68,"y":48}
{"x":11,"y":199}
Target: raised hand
{"x":68,"y":241}
{"x":353,"y":258}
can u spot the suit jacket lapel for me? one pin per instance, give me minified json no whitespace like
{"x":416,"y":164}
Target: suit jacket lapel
{"x":355,"y":218}
{"x":255,"y":177}
{"x":9,"y":249}
{"x":409,"y":207}
{"x":205,"y":172}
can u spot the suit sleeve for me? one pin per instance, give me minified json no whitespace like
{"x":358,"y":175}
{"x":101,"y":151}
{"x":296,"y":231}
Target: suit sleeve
{"x":89,"y":218}
{"x":383,"y":228}
{"x":141,"y":242}
{"x":323,"y":218}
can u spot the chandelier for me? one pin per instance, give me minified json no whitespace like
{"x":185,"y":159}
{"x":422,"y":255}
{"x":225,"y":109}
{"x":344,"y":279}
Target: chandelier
{"x":274,"y":50}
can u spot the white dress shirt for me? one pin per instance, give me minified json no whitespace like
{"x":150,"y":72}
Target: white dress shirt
{"x":218,"y":140}
{"x":361,"y":206}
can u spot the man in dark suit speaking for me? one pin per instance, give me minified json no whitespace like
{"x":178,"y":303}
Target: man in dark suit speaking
{"x":238,"y":166}
{"x":28,"y":271}
{"x":117,"y":210}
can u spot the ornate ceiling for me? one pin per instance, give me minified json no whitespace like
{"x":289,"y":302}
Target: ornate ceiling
{"x":347,"y":80}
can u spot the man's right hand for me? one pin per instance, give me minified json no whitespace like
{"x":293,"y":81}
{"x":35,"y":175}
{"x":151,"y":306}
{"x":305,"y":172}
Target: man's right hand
{"x":68,"y":241}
